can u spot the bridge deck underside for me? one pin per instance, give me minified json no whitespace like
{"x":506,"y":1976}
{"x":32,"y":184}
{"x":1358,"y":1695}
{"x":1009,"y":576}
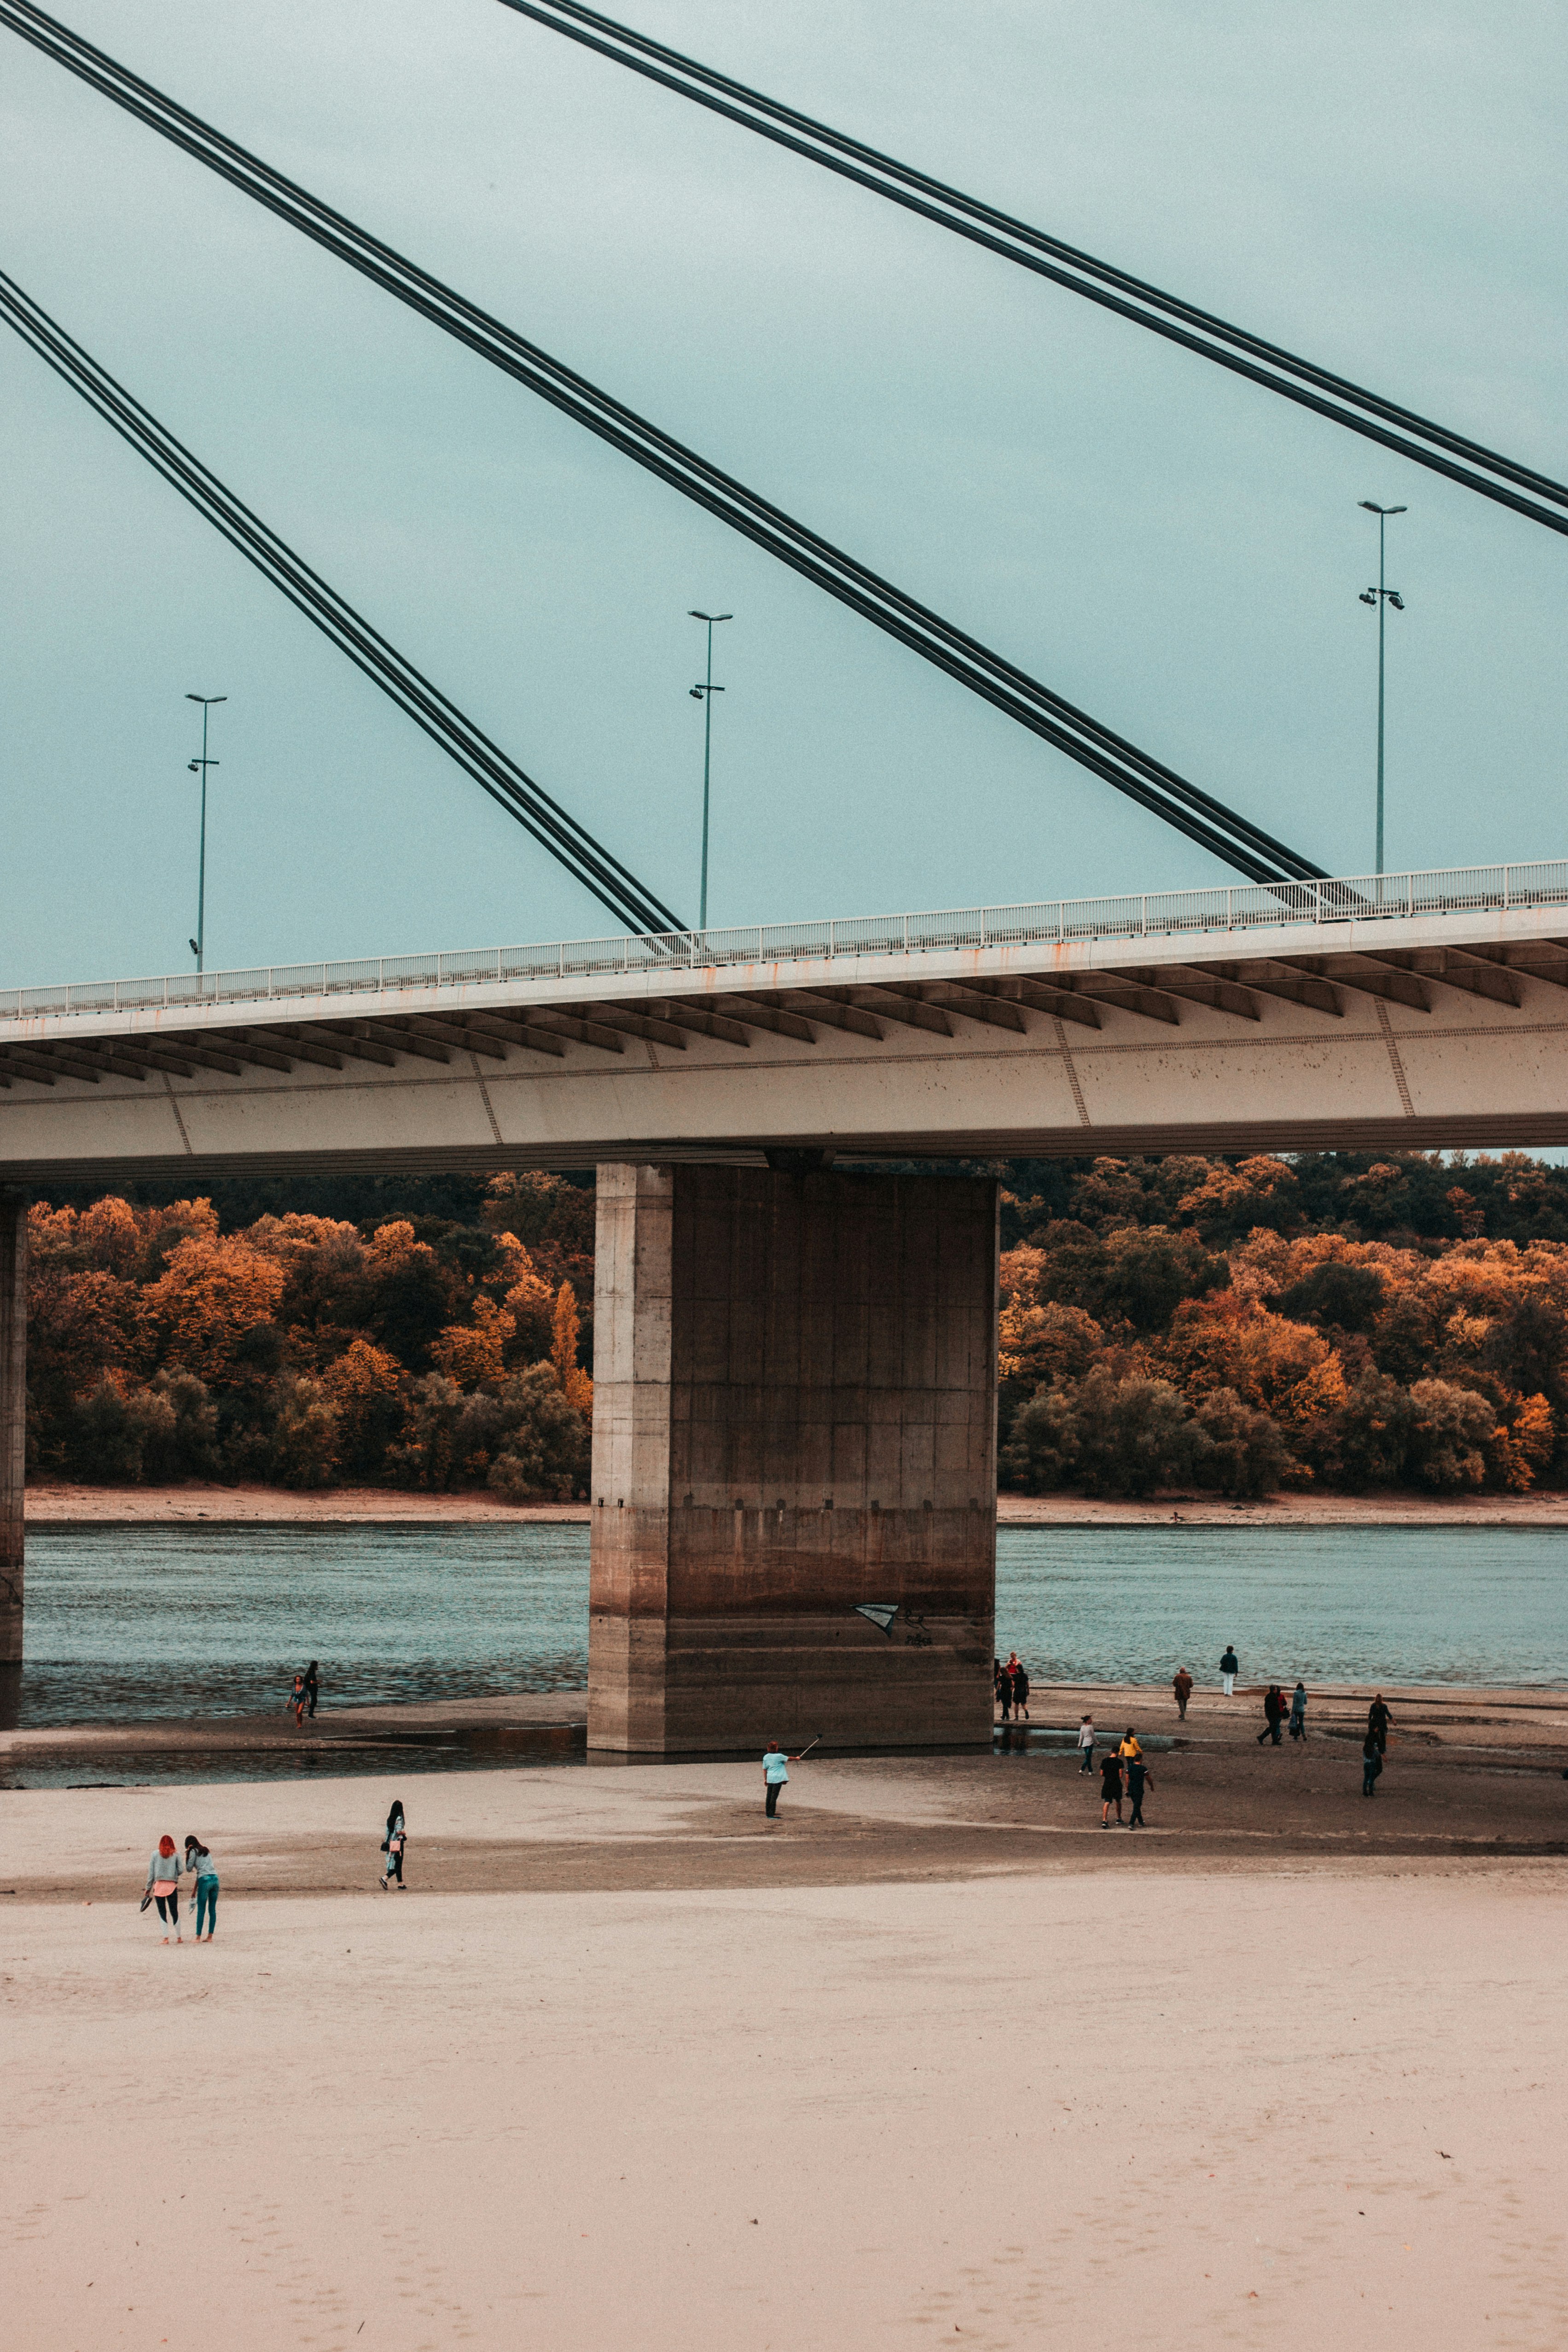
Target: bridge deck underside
{"x":1395,"y":1038}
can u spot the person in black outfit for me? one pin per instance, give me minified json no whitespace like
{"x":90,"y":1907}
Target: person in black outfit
{"x":1370,"y":1765}
{"x":1138,"y":1772}
{"x":1110,"y":1788}
{"x":1021,"y":1692}
{"x":1273,"y":1714}
{"x":393,"y":1845}
{"x":1377,"y":1723}
{"x":1002,"y":1684}
{"x":312,"y":1686}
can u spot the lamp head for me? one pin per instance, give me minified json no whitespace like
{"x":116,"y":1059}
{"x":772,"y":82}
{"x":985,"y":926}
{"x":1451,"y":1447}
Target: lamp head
{"x":1396,"y":600}
{"x":1368,"y":596}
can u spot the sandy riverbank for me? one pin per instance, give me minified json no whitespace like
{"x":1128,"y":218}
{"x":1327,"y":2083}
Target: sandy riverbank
{"x":62,"y":1503}
{"x":933,"y":2060}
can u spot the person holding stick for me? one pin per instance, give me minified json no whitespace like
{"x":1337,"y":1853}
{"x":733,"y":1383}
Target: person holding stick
{"x":775,"y":1771}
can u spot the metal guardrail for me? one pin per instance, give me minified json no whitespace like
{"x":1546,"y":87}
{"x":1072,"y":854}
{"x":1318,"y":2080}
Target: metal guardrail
{"x":1148,"y":915}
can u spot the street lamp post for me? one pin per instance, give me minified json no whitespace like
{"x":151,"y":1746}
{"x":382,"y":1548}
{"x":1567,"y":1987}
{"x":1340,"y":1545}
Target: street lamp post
{"x":1381,"y":597}
{"x":704,"y":695}
{"x":200,"y":767}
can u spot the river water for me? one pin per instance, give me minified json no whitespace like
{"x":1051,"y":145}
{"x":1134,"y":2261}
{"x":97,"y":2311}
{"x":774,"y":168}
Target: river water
{"x":127,"y":1625}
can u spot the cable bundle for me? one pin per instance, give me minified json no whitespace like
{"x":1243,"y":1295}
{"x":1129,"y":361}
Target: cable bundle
{"x":1231,"y":837}
{"x":568,"y":842}
{"x":1346,"y":404}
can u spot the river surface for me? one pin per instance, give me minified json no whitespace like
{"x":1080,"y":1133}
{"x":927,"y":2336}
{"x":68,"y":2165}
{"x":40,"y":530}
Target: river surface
{"x":142,"y":1624}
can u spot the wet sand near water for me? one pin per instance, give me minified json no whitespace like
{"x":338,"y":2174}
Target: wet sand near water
{"x":68,"y":1502}
{"x":931,"y":2060}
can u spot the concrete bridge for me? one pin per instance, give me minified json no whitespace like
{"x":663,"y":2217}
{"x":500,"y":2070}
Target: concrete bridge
{"x":794,"y":1362}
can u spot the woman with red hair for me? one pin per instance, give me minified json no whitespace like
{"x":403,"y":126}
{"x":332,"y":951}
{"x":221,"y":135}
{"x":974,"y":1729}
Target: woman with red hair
{"x":164,"y":1884}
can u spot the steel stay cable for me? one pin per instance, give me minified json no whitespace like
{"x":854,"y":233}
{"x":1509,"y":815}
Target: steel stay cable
{"x":595,"y":868}
{"x":1202,"y":331}
{"x":998,"y":680}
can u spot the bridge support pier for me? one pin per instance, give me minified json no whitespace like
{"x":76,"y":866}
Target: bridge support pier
{"x":794,"y":1415}
{"x":13,"y":1418}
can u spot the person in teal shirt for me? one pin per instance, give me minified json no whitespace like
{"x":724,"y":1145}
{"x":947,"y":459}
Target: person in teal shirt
{"x":776,"y":1772}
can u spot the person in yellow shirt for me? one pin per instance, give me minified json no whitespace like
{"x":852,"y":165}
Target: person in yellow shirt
{"x":1129,"y":1749}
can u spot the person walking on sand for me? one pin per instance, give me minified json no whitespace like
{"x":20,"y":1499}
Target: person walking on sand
{"x":1110,"y":1789}
{"x":1129,"y":1748}
{"x":312,"y":1687}
{"x":776,"y":1772}
{"x":199,"y":1861}
{"x":1018,"y":1675}
{"x":393,"y":1845}
{"x":1138,"y":1772}
{"x":1371,"y":1766}
{"x":1230,"y":1667}
{"x":1298,"y":1712}
{"x":1086,"y":1743}
{"x":164,"y":1885}
{"x":296,"y":1697}
{"x":1003,"y":1683}
{"x":1273,"y":1714}
{"x":1181,"y":1683}
{"x":1377,"y":1721}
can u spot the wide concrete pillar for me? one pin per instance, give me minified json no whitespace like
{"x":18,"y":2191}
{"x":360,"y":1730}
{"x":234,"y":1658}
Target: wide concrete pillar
{"x":13,"y":1418}
{"x":794,"y":1412}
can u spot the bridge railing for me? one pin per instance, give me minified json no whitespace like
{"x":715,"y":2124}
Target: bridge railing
{"x":1155,"y":916}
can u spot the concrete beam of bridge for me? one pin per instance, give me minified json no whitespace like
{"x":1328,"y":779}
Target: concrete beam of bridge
{"x":1216,"y":1027}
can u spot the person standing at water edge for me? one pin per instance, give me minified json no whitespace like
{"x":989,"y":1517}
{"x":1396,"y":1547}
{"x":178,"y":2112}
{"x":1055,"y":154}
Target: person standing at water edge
{"x":164,"y":1884}
{"x":198,"y":1858}
{"x":1181,"y":1683}
{"x":1018,"y":1675}
{"x":312,"y":1687}
{"x":393,"y":1844}
{"x":1110,"y":1789}
{"x":1371,"y":1766}
{"x":296,"y":1700}
{"x":1002,"y":1682}
{"x":1298,"y":1712}
{"x":1230,"y":1667}
{"x":1086,"y":1744}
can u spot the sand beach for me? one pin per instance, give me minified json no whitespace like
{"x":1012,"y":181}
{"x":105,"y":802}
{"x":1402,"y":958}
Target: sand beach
{"x":931,"y":2060}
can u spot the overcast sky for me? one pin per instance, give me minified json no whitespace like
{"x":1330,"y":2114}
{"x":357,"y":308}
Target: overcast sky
{"x":1180,"y":554}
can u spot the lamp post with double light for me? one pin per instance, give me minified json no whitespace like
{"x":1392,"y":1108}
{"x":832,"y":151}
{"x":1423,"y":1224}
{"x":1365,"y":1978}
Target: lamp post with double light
{"x":200,"y":767}
{"x":704,"y":695}
{"x":1382,"y":596}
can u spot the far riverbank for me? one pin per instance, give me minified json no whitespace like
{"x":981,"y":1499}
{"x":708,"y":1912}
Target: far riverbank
{"x":65,"y":1503}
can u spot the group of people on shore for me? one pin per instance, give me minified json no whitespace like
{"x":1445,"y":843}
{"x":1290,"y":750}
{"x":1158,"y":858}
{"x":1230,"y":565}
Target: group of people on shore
{"x":1126,"y":1758}
{"x":164,"y":1870}
{"x":167,"y":1866}
{"x":302,"y":1699}
{"x":1011,"y":1685}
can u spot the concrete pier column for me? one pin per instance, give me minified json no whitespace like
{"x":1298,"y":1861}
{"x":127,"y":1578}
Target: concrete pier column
{"x":13,"y":1418}
{"x":794,"y":1418}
